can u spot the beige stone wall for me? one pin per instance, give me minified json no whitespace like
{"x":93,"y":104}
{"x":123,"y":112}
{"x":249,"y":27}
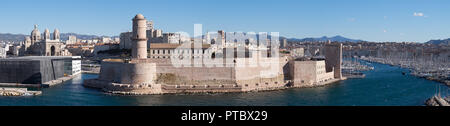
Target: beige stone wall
{"x":309,"y":73}
{"x":303,"y":73}
{"x":321,"y":74}
{"x":138,"y":73}
{"x":198,"y":73}
{"x":146,"y":77}
{"x":111,"y":71}
{"x":259,"y":84}
{"x":253,"y":68}
{"x":128,"y":73}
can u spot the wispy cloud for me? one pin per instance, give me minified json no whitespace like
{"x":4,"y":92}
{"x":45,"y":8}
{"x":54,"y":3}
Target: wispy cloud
{"x":419,"y":14}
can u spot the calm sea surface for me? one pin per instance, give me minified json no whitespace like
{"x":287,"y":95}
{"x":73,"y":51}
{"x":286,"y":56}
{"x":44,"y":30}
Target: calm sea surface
{"x":384,"y":86}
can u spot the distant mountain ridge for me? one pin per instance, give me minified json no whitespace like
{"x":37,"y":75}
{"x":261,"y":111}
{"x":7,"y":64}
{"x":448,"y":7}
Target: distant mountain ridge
{"x":439,"y":42}
{"x":11,"y":37}
{"x":64,"y":36}
{"x":337,"y":38}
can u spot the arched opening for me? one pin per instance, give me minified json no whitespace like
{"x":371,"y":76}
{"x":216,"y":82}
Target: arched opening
{"x":52,"y":51}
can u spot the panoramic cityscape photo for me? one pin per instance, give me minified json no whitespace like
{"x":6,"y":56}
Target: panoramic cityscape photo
{"x":224,"y":53}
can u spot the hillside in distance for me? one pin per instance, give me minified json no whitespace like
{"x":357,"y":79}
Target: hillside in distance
{"x":439,"y":42}
{"x":337,"y":38}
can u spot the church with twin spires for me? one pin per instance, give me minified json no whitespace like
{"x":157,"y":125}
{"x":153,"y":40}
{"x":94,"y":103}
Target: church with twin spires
{"x":45,"y":45}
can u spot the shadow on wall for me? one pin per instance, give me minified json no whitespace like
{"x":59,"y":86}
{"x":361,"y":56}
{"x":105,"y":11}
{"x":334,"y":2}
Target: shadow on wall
{"x":33,"y":79}
{"x":286,"y":69}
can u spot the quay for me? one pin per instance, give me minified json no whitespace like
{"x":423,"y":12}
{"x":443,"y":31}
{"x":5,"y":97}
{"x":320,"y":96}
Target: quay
{"x":58,"y":81}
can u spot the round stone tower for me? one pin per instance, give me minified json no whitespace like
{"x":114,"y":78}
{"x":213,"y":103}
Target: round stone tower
{"x":139,"y":45}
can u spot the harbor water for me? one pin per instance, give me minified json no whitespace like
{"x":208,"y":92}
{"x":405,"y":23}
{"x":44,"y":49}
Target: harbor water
{"x":383,"y":86}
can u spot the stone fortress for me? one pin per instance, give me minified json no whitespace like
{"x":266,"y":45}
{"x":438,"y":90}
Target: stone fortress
{"x":151,"y":70}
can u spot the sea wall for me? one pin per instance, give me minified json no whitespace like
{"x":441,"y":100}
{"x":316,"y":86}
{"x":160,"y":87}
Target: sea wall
{"x":160,"y":77}
{"x":138,"y":73}
{"x":111,"y":71}
{"x":309,"y":73}
{"x":128,"y":73}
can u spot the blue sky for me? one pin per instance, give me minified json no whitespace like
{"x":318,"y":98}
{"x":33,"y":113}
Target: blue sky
{"x":372,"y":20}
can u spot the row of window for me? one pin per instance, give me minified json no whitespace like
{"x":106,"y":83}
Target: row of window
{"x":164,"y":51}
{"x":164,"y":57}
{"x":257,"y":84}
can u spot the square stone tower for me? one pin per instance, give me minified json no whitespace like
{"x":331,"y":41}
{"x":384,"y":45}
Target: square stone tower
{"x":333,"y":58}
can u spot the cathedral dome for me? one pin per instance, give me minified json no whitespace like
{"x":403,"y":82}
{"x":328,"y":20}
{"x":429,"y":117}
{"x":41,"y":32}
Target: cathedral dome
{"x":139,"y":16}
{"x":35,"y":31}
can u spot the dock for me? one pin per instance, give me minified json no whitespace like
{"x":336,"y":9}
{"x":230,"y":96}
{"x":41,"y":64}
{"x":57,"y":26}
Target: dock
{"x":58,"y":81}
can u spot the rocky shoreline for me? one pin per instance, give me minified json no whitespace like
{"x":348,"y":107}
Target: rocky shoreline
{"x":438,"y":101}
{"x":18,"y":92}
